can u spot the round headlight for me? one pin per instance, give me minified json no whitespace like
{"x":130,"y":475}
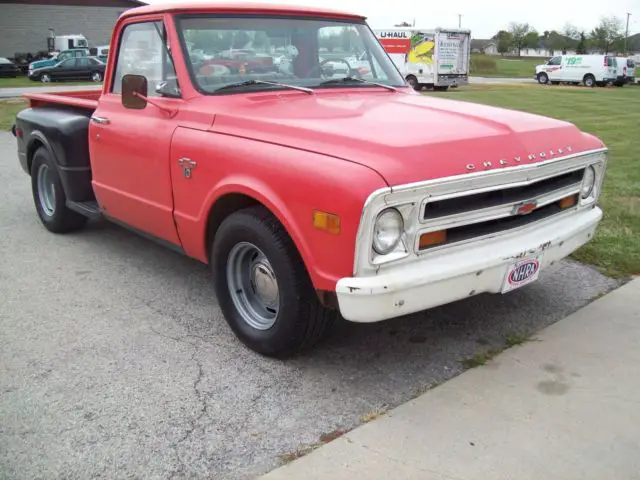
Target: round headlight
{"x":387,"y":231}
{"x":588,"y":182}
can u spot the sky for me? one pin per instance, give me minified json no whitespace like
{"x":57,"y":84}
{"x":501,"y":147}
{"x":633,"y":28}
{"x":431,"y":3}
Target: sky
{"x":483,"y":17}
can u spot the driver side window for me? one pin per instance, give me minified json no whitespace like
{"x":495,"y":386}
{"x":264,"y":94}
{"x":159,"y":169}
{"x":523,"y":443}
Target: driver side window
{"x":142,"y":52}
{"x":555,"y":61}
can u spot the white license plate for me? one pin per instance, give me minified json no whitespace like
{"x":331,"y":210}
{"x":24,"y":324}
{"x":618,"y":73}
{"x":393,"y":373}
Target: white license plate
{"x":522,"y":273}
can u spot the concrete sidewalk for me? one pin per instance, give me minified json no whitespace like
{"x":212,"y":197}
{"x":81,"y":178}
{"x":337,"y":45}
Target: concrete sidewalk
{"x":565,"y":406}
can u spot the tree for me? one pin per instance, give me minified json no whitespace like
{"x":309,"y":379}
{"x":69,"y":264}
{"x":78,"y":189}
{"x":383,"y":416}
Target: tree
{"x":607,"y":33}
{"x":505,"y":42}
{"x":522,"y":35}
{"x":570,"y":31}
{"x":557,"y":42}
{"x":531,"y":40}
{"x":581,"y":49}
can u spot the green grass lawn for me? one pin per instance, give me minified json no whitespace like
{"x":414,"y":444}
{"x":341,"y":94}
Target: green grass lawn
{"x":612,"y":114}
{"x":23,"y":81}
{"x":512,"y":67}
{"x":8,"y":111}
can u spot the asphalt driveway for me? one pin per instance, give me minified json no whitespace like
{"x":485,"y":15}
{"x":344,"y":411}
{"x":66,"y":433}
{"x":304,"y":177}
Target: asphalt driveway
{"x":115,"y":361}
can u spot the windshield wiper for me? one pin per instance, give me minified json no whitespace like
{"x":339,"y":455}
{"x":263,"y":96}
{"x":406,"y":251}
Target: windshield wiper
{"x":358,"y":80}
{"x":264,"y":82}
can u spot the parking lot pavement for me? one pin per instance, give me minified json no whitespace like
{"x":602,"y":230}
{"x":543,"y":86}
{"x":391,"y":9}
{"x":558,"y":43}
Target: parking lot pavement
{"x":115,"y":359}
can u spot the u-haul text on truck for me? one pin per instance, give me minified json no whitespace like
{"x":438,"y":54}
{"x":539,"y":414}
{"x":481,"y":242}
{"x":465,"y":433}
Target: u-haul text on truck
{"x":437,"y":58}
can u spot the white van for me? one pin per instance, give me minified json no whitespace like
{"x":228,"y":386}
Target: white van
{"x":591,"y":70}
{"x":626,"y":71}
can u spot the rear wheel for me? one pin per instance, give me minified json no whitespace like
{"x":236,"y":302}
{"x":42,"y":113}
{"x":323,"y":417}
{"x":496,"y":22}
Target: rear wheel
{"x":49,"y":197}
{"x":262,"y":286}
{"x":96,"y":77}
{"x":589,"y":80}
{"x":543,"y":78}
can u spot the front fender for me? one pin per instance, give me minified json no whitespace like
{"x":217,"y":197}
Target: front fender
{"x":289,"y":182}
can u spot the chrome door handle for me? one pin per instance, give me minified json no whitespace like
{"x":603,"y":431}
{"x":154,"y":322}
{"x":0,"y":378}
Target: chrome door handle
{"x":101,"y":120}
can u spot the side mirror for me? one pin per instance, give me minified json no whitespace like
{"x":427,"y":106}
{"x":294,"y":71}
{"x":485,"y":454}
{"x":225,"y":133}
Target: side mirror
{"x":134,"y":91}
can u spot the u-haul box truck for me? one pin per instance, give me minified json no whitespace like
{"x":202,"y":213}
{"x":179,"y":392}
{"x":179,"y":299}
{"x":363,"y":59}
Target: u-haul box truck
{"x":437,"y":58}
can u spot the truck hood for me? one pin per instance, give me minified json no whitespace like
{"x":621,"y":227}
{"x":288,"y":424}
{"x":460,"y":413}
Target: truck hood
{"x":404,"y":137}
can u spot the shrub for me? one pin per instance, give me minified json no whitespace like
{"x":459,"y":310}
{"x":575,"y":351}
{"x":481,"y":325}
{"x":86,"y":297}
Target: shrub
{"x":483,"y":64}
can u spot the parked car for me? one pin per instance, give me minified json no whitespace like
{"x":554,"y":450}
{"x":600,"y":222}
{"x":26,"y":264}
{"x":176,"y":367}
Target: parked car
{"x":58,"y":57}
{"x":102,"y":52}
{"x":8,"y":68}
{"x":590,"y":70}
{"x":309,"y":198}
{"x":84,"y":68}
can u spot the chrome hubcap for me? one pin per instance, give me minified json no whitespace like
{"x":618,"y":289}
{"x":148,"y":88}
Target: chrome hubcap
{"x":46,"y":190}
{"x":45,"y":79}
{"x":96,"y":77}
{"x":253,"y":286}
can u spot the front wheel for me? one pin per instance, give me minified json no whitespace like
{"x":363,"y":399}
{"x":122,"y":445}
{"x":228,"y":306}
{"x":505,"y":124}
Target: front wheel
{"x":543,"y":78}
{"x":96,"y":77}
{"x":45,"y":78}
{"x":413,"y":83}
{"x":263,"y":288}
{"x":49,"y":197}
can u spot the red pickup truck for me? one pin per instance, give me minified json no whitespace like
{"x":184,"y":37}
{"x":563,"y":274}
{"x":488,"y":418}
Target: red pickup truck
{"x":310,"y":196}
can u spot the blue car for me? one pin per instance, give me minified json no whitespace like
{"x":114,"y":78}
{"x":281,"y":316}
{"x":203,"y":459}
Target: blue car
{"x":63,"y":55}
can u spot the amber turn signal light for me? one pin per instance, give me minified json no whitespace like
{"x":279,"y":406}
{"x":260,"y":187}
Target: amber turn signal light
{"x":326,"y":221}
{"x":432,"y":238}
{"x":567,"y":202}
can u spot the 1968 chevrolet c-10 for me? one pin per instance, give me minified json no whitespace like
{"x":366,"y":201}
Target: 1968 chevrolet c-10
{"x":311,"y":194}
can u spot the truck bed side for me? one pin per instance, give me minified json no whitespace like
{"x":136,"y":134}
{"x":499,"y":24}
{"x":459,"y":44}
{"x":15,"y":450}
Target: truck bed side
{"x":60,"y":123}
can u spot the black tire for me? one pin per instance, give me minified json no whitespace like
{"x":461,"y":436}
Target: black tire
{"x":301,"y":321}
{"x":96,"y":77}
{"x":413,"y":83}
{"x":589,"y":80}
{"x":543,"y":78}
{"x":59,"y":219}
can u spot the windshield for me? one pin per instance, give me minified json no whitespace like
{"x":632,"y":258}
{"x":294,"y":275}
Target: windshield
{"x":303,"y":52}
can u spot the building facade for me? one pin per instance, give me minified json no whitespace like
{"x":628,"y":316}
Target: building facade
{"x":25,"y":24}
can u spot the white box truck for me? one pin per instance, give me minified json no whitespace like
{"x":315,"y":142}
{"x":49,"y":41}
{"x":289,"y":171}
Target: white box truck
{"x":438,"y":58}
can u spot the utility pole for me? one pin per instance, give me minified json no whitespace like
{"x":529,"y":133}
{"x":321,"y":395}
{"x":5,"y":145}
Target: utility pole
{"x":626,"y":34}
{"x":460,"y":20}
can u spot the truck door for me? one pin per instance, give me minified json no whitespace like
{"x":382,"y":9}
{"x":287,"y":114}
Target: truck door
{"x":554,"y":69}
{"x":130,"y":148}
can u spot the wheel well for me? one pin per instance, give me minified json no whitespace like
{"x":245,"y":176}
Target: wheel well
{"x":588,"y":75}
{"x":31,"y":150}
{"x":231,"y":203}
{"x":225,"y":206}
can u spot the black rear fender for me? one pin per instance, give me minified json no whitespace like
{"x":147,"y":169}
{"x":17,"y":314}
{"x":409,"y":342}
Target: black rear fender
{"x":64,"y":132}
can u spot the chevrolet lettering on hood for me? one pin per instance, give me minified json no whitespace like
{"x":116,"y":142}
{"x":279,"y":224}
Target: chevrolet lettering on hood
{"x":487,"y":165}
